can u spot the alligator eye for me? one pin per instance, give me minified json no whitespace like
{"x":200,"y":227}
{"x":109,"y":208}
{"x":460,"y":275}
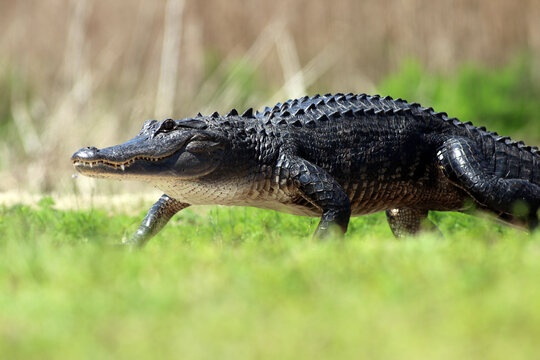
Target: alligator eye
{"x":168,"y":125}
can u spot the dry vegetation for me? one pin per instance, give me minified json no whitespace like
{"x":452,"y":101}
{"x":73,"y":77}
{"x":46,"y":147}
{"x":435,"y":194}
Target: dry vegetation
{"x":83,"y":72}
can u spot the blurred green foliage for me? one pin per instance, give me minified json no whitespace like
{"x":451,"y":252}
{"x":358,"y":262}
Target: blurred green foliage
{"x":231,"y":82}
{"x":14,"y":88}
{"x":16,"y":95}
{"x":6,"y":88}
{"x":504,"y":99}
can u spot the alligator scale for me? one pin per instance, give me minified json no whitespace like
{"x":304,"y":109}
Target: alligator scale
{"x":327,"y":156}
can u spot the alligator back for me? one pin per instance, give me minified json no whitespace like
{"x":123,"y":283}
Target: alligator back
{"x":372,"y":124}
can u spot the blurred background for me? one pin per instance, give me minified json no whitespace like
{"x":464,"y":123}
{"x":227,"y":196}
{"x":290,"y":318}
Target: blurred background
{"x":89,"y":72}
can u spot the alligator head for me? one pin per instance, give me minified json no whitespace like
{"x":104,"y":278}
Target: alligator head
{"x":184,"y":149}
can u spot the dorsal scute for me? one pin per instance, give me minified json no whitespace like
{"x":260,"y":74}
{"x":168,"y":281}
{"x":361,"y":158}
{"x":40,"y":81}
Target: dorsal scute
{"x":323,"y":118}
{"x":441,"y":115}
{"x":248,"y":113}
{"x":502,"y":138}
{"x":310,"y":123}
{"x":335,"y":115}
{"x":296,"y":123}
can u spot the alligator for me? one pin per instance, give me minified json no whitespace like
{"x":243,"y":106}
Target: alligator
{"x":330,"y":156}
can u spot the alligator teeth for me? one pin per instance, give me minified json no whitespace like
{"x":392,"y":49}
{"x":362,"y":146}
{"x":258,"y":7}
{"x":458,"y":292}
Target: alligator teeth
{"x":114,"y":165}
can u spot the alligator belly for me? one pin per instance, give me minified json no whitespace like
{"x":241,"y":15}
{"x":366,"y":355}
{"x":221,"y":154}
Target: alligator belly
{"x":238,"y":193}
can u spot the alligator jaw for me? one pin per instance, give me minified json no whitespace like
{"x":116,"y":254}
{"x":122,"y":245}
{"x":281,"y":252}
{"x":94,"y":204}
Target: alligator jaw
{"x":100,"y":167}
{"x":79,"y":163}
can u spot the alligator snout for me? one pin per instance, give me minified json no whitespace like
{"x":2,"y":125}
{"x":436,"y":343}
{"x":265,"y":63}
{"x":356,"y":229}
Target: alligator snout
{"x":85,"y":154}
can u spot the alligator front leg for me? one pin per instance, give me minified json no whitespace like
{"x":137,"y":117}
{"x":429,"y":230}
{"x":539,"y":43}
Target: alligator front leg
{"x":464,"y":165}
{"x":156,"y":218}
{"x":322,"y":190}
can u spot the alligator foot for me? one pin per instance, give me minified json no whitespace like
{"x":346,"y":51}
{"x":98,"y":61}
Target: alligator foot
{"x":408,"y":221}
{"x":156,"y":218}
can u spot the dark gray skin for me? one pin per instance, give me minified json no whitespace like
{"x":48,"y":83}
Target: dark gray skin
{"x":331,"y":156}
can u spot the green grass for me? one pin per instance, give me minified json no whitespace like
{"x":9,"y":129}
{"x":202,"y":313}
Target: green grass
{"x":244,"y":283}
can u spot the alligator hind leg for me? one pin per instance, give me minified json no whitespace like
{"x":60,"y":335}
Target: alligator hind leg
{"x":408,"y":221}
{"x":463,"y":163}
